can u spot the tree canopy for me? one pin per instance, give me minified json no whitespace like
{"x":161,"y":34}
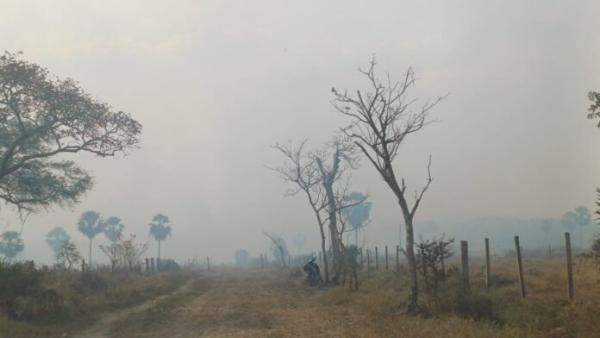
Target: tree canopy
{"x":11,"y":244}
{"x":56,"y":238}
{"x":90,"y":224}
{"x":113,"y":229}
{"x":43,"y":118}
{"x":357,"y":214}
{"x":594,"y":108}
{"x":159,"y":228}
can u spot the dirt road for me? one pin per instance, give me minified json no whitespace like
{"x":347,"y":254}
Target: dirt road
{"x":225,"y":304}
{"x":102,"y":327}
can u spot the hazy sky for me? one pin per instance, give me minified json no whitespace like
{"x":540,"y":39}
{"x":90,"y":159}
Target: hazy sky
{"x":215,"y":83}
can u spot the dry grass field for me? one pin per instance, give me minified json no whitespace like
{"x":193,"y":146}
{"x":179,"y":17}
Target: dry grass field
{"x":277,"y":303}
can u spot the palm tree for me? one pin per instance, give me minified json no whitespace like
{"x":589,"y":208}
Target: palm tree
{"x":11,"y":244}
{"x":159,"y":229}
{"x":90,"y":224}
{"x":56,"y":238}
{"x":113,"y":229}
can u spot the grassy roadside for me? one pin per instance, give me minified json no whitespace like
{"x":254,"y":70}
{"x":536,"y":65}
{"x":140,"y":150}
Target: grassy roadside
{"x":276,"y":303}
{"x":82,"y":303}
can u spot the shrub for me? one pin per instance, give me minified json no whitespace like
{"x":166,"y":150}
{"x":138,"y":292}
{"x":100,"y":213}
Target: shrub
{"x":18,"y":280}
{"x":168,"y":265}
{"x":474,"y":305}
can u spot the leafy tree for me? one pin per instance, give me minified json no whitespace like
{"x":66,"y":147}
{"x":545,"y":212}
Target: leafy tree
{"x":594,"y":108}
{"x":56,"y":238}
{"x":357,"y":214}
{"x":569,"y":220}
{"x":583,"y":219}
{"x":113,"y":229}
{"x":580,"y":217}
{"x":159,"y":229}
{"x":594,"y":113}
{"x":42,"y":119}
{"x":11,"y":244}
{"x":68,"y":255}
{"x":90,"y":224}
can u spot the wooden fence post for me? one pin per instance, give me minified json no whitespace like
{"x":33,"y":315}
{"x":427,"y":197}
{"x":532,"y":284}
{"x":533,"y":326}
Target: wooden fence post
{"x":398,"y":258}
{"x":368,"y":260}
{"x":386,"y":258}
{"x":207,"y":263}
{"x":464,"y":255}
{"x":147,"y":264}
{"x":82,"y":269}
{"x":570,"y":287}
{"x":152,"y":264}
{"x":157,"y":263}
{"x":376,"y":259}
{"x":520,"y":266}
{"x":488,"y":270}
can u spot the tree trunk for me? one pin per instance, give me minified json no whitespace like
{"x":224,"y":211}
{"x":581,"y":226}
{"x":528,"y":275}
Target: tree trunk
{"x":324,"y":250}
{"x":413,"y":299}
{"x":90,"y":254}
{"x":159,"y":249}
{"x":333,"y":231}
{"x":281,"y":252}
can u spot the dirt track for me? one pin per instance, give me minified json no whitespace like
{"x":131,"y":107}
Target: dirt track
{"x":232,"y":304}
{"x":102,"y":327}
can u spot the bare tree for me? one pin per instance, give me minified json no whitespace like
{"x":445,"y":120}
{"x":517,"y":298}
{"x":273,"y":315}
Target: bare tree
{"x":381,"y":119}
{"x":341,"y":158}
{"x":300,"y":169}
{"x":319,"y":175}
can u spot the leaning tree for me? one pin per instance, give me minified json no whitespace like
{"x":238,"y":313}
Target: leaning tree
{"x":380,"y":120}
{"x":278,"y":247}
{"x":44,"y":119}
{"x":159,"y":229}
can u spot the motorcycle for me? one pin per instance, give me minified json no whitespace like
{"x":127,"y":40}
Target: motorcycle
{"x":313,"y":273}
